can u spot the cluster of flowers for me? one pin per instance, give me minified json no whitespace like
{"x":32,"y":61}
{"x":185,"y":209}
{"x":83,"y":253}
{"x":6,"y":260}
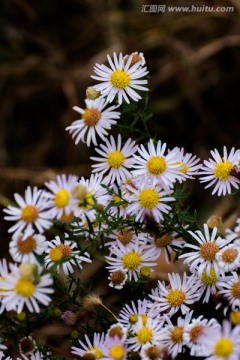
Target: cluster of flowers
{"x":130,"y":199}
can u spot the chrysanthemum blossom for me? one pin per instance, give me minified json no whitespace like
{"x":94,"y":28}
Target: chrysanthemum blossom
{"x":121,"y":79}
{"x":218,"y":171}
{"x":60,"y":197}
{"x":172,"y":334}
{"x":229,"y":287}
{"x":66,"y":255}
{"x":96,"y":120}
{"x":224,"y":343}
{"x":30,"y":213}
{"x":195,"y":332}
{"x":189,"y":165}
{"x":25,"y":286}
{"x":132,"y":258}
{"x":178,"y":295}
{"x":115,"y":161}
{"x":149,"y":199}
{"x":114,"y":348}
{"x":145,"y":332}
{"x":203,"y":256}
{"x":24,"y":247}
{"x":228,"y":258}
{"x":95,"y":347}
{"x":156,"y":163}
{"x":130,"y":314}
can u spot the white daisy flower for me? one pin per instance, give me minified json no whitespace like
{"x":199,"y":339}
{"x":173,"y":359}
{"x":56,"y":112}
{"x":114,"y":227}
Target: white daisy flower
{"x":145,"y":332}
{"x":118,"y":330}
{"x":118,"y":278}
{"x":129,"y":315}
{"x":132,"y":257}
{"x":224,"y":344}
{"x":217,"y":171}
{"x":24,"y":247}
{"x":94,"y":121}
{"x":4,"y":270}
{"x":116,"y":160}
{"x":148,"y":199}
{"x":204,"y":255}
{"x":189,"y":165}
{"x":178,"y":295}
{"x":166,"y":243}
{"x":207,"y":284}
{"x":114,"y":349}
{"x":89,"y":193}
{"x":30,"y":213}
{"x":156,"y":352}
{"x":126,"y":236}
{"x":2,"y":347}
{"x":228,"y":258}
{"x":95,"y":347}
{"x":136,"y":57}
{"x":229,"y":287}
{"x":120,"y":79}
{"x":165,"y":168}
{"x":63,"y":254}
{"x":25,"y":285}
{"x":172,"y":335}
{"x":60,"y":200}
{"x":195,"y":331}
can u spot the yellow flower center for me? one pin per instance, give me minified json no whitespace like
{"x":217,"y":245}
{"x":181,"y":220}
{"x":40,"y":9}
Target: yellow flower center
{"x":163,"y":241}
{"x":65,"y":249}
{"x":30,"y":213}
{"x":184,"y":167}
{"x":118,"y":199}
{"x":115,"y":159}
{"x":145,"y":335}
{"x":235,"y":317}
{"x":26,"y":246}
{"x":156,"y":165}
{"x":229,"y":255}
{"x":177,"y":334}
{"x":176,"y":297}
{"x":116,"y":330}
{"x":117,"y":352}
{"x":222,"y":170}
{"x":131,"y":260}
{"x":25,"y":287}
{"x":209,"y":280}
{"x":62,"y":198}
{"x":208,"y":251}
{"x":148,"y":198}
{"x":195,"y":332}
{"x":223,"y":348}
{"x":133,"y":318}
{"x":125,"y":236}
{"x":120,"y":79}
{"x":56,"y":254}
{"x":87,"y":202}
{"x":26,"y":271}
{"x":91,"y":116}
{"x":97,"y":352}
{"x":235,"y":290}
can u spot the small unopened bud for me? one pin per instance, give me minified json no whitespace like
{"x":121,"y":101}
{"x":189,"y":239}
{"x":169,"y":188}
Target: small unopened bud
{"x":145,"y":271}
{"x":57,"y":312}
{"x":21,"y":316}
{"x":74,"y":334}
{"x":80,"y":192}
{"x":92,"y":93}
{"x":69,"y":318}
{"x":26,"y":271}
{"x":99,"y":207}
{"x":216,"y":221}
{"x":235,"y":317}
{"x":116,"y":330}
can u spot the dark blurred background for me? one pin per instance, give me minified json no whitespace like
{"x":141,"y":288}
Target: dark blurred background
{"x":47,"y":52}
